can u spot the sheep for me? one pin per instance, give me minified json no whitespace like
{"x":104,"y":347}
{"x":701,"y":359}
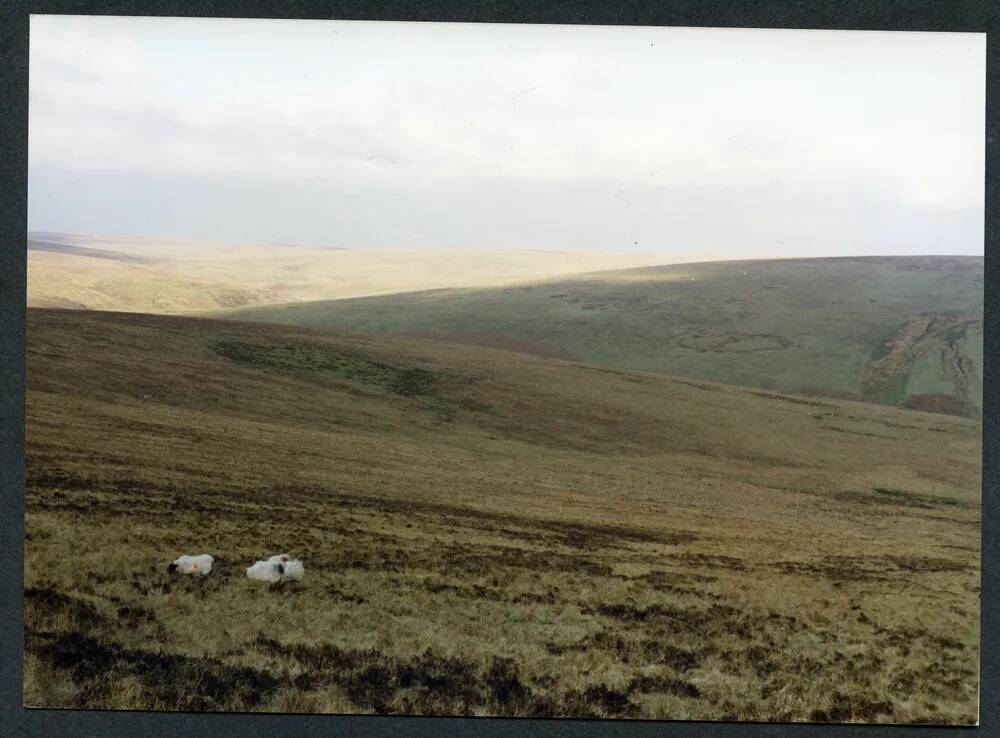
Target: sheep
{"x":280,"y":568}
{"x":201,"y":564}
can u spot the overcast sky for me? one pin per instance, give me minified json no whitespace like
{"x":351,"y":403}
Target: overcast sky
{"x":354,"y":134}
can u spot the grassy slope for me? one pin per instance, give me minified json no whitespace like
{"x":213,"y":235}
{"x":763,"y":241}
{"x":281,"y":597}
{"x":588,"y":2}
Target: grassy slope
{"x":483,"y":532}
{"x":818,"y":326}
{"x":189,"y":277}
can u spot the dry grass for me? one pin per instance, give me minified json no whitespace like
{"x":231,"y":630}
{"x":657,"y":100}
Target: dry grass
{"x":157,"y":276}
{"x":484,"y":533}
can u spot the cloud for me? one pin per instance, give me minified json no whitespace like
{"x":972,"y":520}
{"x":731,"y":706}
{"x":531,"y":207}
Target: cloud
{"x":428,"y":110}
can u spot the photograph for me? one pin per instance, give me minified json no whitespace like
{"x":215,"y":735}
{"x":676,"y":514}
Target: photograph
{"x":504,"y":370}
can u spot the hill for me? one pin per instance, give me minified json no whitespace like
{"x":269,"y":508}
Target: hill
{"x":894,"y":330}
{"x":190,"y":277}
{"x":484,"y":532}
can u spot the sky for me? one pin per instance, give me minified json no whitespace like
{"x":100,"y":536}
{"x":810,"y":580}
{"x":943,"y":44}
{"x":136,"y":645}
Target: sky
{"x":750,"y":143}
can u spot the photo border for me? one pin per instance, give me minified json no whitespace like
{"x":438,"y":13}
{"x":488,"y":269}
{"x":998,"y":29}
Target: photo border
{"x":914,"y":15}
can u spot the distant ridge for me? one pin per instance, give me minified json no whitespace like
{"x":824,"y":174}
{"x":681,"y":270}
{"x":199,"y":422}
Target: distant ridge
{"x":70,"y":239}
{"x":894,"y":330}
{"x":62,"y":248}
{"x":193,"y":277}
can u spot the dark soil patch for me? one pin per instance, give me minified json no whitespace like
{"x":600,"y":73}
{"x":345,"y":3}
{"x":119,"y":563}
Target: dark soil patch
{"x":661,"y":578}
{"x":573,"y":534}
{"x":430,"y":684}
{"x":175,"y":682}
{"x":135,"y":616}
{"x":710,"y":561}
{"x":924,"y":564}
{"x":476,"y":591}
{"x":50,"y":602}
{"x":338,"y":594}
{"x":679,"y":659}
{"x":650,"y":612}
{"x":895,"y":498}
{"x":761,"y":660}
{"x":664,"y":620}
{"x":665,"y":684}
{"x":869,"y":568}
{"x":845,"y":708}
{"x":485,"y":560}
{"x":669,"y":581}
{"x":839,"y":569}
{"x":427,"y":684}
{"x":622,"y":643}
{"x":611,"y":701}
{"x":913,"y":499}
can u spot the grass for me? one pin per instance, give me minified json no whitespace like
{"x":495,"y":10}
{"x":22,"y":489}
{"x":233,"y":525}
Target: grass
{"x":484,"y":533}
{"x":188,"y":277}
{"x":855,"y":328}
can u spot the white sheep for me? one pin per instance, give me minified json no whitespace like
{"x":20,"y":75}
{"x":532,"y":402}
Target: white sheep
{"x":280,"y":568}
{"x":201,"y":564}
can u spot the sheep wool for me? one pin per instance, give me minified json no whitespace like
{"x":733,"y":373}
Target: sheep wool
{"x":280,"y":568}
{"x":201,"y":564}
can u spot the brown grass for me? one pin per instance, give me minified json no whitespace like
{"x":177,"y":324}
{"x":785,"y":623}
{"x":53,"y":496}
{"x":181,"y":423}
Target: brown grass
{"x":483,"y":533}
{"x":174,"y":277}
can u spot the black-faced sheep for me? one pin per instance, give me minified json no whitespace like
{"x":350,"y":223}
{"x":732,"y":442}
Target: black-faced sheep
{"x":201,"y":564}
{"x":280,"y":568}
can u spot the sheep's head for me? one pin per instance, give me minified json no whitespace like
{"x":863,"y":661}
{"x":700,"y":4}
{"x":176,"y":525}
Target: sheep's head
{"x":172,"y":568}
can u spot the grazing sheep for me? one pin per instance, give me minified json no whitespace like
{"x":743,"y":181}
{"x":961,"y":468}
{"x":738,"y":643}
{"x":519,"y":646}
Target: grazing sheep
{"x":280,"y":568}
{"x":201,"y":564}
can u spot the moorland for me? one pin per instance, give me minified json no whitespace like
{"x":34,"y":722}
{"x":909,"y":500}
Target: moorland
{"x":903,"y":331}
{"x":166,"y":276}
{"x":488,"y":531}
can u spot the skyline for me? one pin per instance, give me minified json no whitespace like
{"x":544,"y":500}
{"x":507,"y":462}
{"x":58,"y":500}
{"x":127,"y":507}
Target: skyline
{"x":752,"y":143}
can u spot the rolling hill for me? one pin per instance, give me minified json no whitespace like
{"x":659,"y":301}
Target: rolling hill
{"x":895,"y":330}
{"x":484,"y":532}
{"x":190,"y":277}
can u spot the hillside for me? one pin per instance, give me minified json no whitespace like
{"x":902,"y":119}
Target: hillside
{"x":484,"y":532}
{"x":190,"y":277}
{"x":894,"y":330}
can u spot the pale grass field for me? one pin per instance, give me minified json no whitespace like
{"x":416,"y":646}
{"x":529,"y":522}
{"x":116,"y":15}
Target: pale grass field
{"x":484,"y":533}
{"x":185,"y":277}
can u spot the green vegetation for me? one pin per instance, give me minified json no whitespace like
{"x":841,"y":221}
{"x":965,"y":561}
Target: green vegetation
{"x":484,"y":532}
{"x":308,"y":358}
{"x":854,"y":328}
